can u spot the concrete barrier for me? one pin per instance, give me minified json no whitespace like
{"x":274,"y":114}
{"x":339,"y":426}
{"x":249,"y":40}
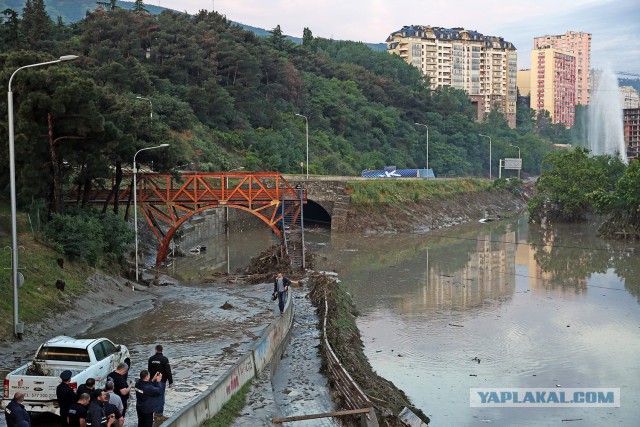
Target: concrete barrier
{"x":271,"y":344}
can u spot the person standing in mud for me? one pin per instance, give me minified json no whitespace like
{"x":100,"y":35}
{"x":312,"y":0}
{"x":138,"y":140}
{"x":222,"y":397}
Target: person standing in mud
{"x":160,"y":363}
{"x":147,"y":395}
{"x":280,"y":288}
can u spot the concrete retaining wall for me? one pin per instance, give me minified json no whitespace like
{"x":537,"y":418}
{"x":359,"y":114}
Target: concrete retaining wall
{"x":209,"y":403}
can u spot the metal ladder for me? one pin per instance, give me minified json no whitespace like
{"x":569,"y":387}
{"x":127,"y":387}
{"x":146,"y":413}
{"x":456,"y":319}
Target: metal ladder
{"x":293,"y":231}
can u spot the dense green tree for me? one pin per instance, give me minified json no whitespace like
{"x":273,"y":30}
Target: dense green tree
{"x":138,"y":7}
{"x":307,"y":37}
{"x":565,"y":187}
{"x":278,"y":39}
{"x":11,"y":29}
{"x":622,"y":205}
{"x":37,"y":25}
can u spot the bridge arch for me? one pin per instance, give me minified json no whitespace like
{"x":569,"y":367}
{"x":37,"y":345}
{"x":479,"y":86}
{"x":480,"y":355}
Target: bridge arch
{"x":163,"y":249}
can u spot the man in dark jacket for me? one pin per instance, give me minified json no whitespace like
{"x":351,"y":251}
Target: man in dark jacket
{"x":160,"y":363}
{"x":147,"y":396}
{"x":96,"y":417}
{"x":66,"y":395}
{"x":15,"y":413}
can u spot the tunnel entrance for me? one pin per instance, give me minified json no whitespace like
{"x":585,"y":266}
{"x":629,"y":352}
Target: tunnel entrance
{"x":315,"y":215}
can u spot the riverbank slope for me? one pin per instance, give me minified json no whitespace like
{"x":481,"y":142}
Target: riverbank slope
{"x":419,"y":206}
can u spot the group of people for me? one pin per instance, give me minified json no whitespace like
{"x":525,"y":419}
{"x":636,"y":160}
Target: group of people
{"x":89,"y":406}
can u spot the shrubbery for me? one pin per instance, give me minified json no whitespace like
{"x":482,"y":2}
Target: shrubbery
{"x":88,"y":236}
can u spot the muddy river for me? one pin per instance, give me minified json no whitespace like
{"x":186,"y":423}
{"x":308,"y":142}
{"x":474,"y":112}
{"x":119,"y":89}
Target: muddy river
{"x":496,"y":305}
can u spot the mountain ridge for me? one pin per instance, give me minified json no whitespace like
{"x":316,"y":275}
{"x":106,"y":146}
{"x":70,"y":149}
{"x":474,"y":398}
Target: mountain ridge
{"x":73,"y":11}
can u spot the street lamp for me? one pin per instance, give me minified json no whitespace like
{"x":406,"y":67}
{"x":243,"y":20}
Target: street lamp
{"x":515,"y":146}
{"x":307,"y":129}
{"x":135,"y":198}
{"x":18,"y":328}
{"x":420,"y":124}
{"x":150,"y":105}
{"x":486,"y":136}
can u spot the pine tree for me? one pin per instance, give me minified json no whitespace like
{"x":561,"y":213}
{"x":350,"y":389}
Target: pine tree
{"x":11,"y":29}
{"x":138,"y":7}
{"x":37,"y":25}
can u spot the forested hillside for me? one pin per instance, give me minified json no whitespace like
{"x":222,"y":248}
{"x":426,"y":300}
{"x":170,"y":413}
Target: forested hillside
{"x":224,"y":98}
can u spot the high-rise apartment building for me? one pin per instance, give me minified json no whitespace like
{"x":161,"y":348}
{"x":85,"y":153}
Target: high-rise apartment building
{"x":483,"y":66}
{"x":553,"y":84}
{"x":577,"y":44}
{"x":630,"y":97}
{"x":632,"y":132}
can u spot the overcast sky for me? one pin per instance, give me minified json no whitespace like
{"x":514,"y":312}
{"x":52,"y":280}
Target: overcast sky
{"x":614,"y":24}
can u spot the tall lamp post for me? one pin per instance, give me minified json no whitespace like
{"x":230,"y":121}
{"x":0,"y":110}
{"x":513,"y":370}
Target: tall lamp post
{"x":135,"y":198}
{"x":18,"y":328}
{"x":307,"y":129}
{"x":515,"y":146}
{"x":486,"y":136}
{"x":420,"y":124}
{"x":150,"y":105}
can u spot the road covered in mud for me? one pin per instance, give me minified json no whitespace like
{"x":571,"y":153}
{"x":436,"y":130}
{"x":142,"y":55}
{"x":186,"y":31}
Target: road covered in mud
{"x":203,"y":328}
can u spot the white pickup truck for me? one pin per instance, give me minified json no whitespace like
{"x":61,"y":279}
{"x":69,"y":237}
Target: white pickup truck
{"x":85,"y":358}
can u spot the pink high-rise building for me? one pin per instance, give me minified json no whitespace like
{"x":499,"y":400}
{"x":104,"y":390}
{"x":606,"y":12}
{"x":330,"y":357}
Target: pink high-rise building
{"x":577,"y":44}
{"x":553,"y":84}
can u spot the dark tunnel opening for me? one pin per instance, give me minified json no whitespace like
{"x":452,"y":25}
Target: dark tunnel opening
{"x":316,"y":216}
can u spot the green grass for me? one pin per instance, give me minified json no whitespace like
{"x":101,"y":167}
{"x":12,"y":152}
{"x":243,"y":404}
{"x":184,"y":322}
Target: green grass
{"x":38,"y":263}
{"x":231,"y":410}
{"x":393,"y":192}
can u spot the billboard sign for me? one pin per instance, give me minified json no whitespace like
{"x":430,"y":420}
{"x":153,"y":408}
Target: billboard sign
{"x":513,"y":164}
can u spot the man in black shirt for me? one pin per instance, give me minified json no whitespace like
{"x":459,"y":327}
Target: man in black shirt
{"x":88,"y":387}
{"x":120,"y":386}
{"x":65,"y":395}
{"x":160,"y":363}
{"x":78,"y":412}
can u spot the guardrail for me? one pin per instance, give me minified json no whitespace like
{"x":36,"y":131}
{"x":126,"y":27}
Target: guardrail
{"x":344,"y":384}
{"x":269,"y":346}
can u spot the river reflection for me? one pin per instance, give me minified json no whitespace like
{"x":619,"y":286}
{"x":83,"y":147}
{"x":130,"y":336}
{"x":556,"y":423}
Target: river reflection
{"x":538,"y":307}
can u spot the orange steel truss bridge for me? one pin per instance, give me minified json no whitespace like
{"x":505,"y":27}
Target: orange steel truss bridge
{"x":168,"y":201}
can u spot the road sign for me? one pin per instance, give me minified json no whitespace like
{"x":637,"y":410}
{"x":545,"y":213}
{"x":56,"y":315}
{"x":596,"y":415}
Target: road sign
{"x":513,"y":164}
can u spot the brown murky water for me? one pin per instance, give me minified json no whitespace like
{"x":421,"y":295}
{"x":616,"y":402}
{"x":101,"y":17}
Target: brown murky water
{"x":537,"y":308}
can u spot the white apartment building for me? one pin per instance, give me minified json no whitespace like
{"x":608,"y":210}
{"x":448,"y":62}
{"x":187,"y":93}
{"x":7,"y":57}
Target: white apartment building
{"x":483,"y":66}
